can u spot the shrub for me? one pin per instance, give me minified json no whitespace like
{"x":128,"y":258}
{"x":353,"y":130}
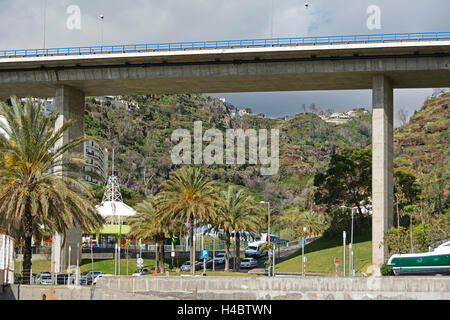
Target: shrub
{"x":397,"y":240}
{"x":386,"y":270}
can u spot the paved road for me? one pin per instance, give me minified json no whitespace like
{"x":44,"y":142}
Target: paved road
{"x":285,"y":253}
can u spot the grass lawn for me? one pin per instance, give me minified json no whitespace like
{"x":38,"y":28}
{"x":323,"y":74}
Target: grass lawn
{"x":104,"y":265}
{"x":107,"y":267}
{"x":320,"y":256}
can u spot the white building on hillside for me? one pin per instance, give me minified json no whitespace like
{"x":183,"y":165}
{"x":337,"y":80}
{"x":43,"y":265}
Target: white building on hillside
{"x":241,"y":112}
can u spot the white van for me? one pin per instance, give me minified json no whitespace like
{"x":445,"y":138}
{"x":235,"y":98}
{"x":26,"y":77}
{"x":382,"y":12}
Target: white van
{"x":254,"y":249}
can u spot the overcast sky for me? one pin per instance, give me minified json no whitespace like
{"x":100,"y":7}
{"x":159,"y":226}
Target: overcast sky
{"x":147,"y":21}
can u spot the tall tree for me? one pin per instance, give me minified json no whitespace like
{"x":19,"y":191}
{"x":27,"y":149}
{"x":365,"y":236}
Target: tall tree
{"x":188,"y":195}
{"x":41,"y":189}
{"x":347,"y":181}
{"x":406,"y":190}
{"x":239,"y":212}
{"x":314,"y":223}
{"x":146,"y":224}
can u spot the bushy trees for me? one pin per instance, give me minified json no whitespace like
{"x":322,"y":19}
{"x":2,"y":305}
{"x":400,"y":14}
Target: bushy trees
{"x":347,"y":181}
{"x":238,"y":212}
{"x":188,"y":195}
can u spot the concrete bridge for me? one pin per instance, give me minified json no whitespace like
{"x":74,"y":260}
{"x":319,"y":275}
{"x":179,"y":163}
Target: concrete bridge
{"x":381,"y":62}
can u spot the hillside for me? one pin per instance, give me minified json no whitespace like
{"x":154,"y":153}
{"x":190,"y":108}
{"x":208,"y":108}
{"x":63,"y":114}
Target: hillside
{"x":141,"y":139}
{"x":422,"y":147}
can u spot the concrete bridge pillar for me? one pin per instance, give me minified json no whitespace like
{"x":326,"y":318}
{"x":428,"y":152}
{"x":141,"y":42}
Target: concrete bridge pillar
{"x":382,"y":166}
{"x":70,"y":104}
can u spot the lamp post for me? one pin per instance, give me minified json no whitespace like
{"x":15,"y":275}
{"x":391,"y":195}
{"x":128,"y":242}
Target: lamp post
{"x":303,"y":251}
{"x":101,"y":28}
{"x":351,"y":271}
{"x":350,"y":267}
{"x":77,"y":276}
{"x":268,"y":226}
{"x":343,"y":237}
{"x":69,"y":271}
{"x":45,"y":19}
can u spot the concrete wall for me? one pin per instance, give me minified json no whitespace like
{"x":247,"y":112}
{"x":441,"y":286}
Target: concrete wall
{"x":309,"y":288}
{"x":33,"y":292}
{"x":242,"y":288}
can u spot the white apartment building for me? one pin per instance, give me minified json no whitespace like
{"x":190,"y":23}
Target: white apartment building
{"x":97,"y":161}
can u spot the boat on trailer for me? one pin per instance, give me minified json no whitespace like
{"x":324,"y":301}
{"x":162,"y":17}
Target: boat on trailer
{"x":434,"y":262}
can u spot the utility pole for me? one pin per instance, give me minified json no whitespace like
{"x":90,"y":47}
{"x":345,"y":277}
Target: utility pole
{"x":101,"y":29}
{"x":69,"y":271}
{"x":45,"y":20}
{"x":214,"y":253}
{"x":77,"y":277}
{"x":303,"y":251}
{"x":351,"y":268}
{"x":343,"y":236}
{"x":268,"y":230}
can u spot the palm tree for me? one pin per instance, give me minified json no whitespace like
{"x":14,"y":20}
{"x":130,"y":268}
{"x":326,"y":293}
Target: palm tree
{"x":239,"y":213}
{"x":40,"y":189}
{"x":314,"y":223}
{"x":145,"y":224}
{"x":187,"y":195}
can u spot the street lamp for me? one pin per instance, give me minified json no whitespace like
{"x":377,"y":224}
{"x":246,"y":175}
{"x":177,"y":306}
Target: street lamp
{"x":350,"y":262}
{"x":101,"y":28}
{"x":303,"y":251}
{"x":268,"y":226}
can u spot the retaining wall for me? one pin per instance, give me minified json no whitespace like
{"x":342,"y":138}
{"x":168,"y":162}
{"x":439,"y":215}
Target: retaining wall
{"x":242,"y":288}
{"x":286,"y":287}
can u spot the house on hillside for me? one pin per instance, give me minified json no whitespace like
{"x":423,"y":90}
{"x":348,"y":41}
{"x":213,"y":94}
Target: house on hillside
{"x":241,"y":112}
{"x":339,"y":115}
{"x":352,"y":113}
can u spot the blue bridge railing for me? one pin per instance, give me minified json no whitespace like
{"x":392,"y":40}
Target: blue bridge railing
{"x":248,"y":43}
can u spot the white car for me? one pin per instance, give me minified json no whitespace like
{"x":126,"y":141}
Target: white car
{"x":248,"y":263}
{"x":186,"y":266}
{"x":45,"y":278}
{"x":100,"y":276}
{"x":220,"y":258}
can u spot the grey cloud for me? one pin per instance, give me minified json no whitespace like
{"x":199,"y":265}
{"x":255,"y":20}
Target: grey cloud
{"x":147,"y":21}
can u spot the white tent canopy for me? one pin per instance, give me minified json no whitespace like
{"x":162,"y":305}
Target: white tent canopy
{"x":105,"y":209}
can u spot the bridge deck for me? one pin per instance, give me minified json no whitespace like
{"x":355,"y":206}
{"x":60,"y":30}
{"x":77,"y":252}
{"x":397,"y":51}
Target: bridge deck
{"x":230,"y":44}
{"x":322,"y":64}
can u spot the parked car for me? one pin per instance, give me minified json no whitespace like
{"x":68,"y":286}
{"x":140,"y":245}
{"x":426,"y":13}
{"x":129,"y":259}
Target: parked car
{"x":101,"y":275}
{"x":45,"y":278}
{"x":141,"y":272}
{"x":187,"y":266}
{"x":248,"y":263}
{"x":73,"y":279}
{"x":62,"y":278}
{"x":83,"y":278}
{"x":220,"y":258}
{"x":199,"y":263}
{"x":88,"y":279}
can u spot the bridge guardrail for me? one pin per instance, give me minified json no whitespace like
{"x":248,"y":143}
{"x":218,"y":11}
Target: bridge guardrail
{"x":226,"y":44}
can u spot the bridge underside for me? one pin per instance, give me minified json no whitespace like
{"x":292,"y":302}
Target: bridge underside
{"x":242,"y":77}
